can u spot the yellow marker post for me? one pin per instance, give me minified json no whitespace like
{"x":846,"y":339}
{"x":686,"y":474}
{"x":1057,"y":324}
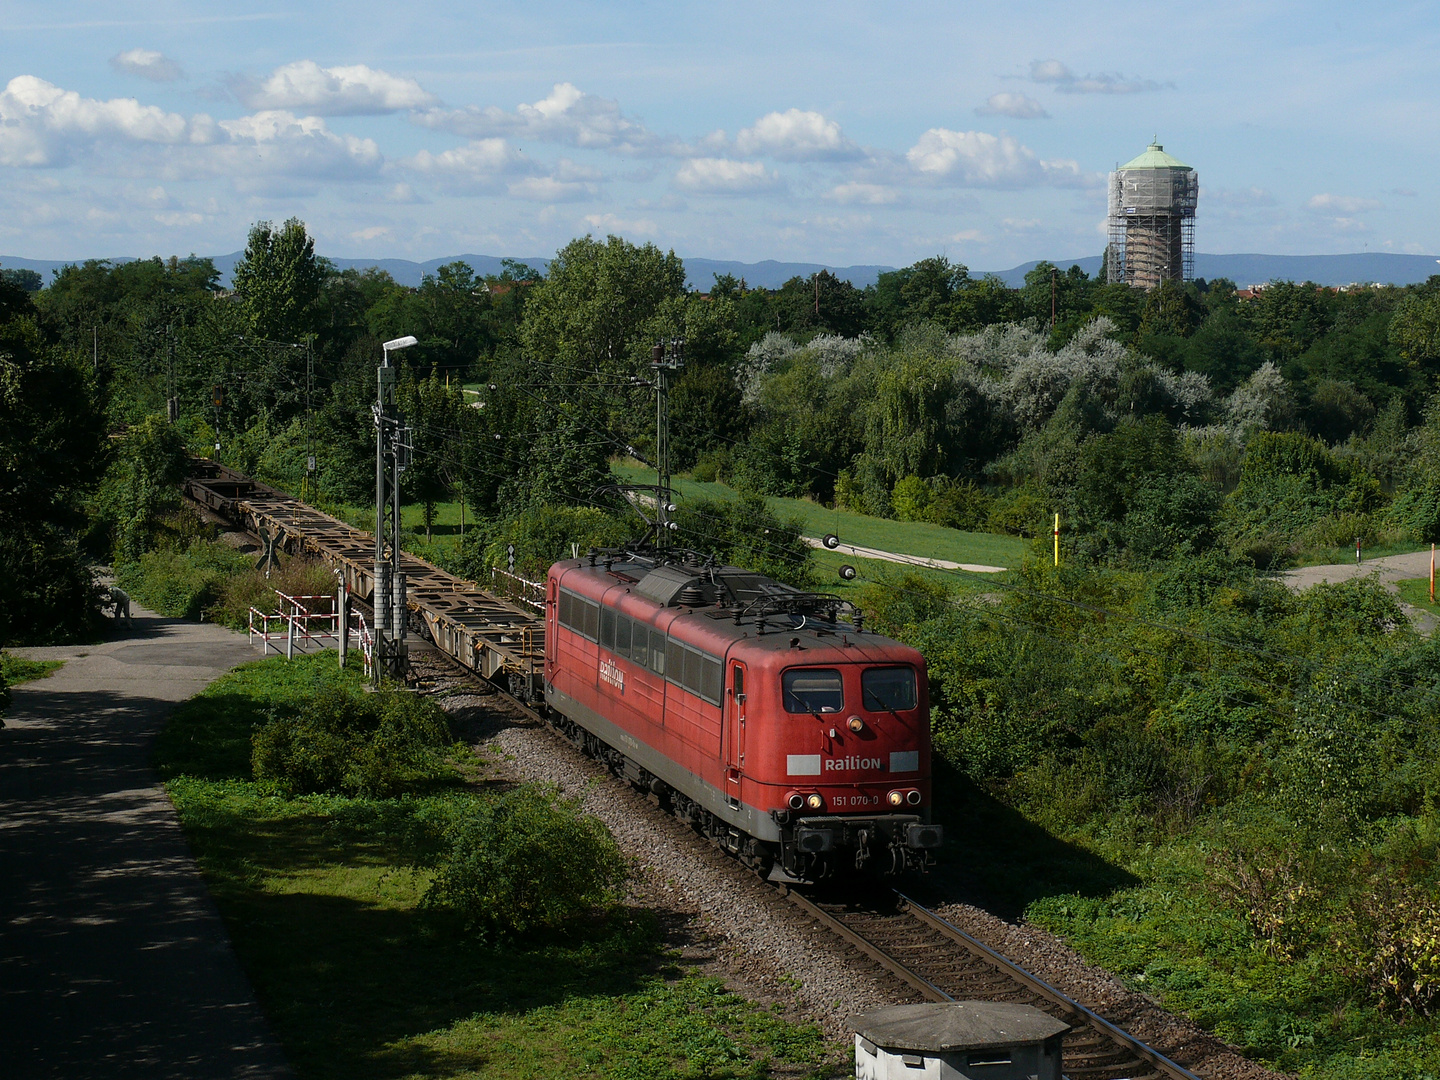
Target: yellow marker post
{"x":1057,"y":540}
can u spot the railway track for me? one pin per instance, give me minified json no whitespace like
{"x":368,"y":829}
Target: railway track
{"x":490,"y":639}
{"x":941,"y":962}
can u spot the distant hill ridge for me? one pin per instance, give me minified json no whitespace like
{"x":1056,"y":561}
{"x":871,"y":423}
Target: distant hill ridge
{"x":1244,"y":270}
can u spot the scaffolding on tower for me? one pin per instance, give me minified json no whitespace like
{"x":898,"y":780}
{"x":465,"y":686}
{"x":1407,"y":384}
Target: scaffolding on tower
{"x":1151,"y":220}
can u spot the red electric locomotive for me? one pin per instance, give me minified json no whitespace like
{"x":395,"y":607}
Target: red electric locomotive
{"x":786,"y":733}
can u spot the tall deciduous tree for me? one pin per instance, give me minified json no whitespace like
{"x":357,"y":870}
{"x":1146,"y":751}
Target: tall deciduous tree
{"x":596,"y":302}
{"x":52,"y":452}
{"x":279,"y":280}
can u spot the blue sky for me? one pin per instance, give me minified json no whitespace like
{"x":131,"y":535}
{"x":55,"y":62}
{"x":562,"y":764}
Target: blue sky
{"x":839,"y":132}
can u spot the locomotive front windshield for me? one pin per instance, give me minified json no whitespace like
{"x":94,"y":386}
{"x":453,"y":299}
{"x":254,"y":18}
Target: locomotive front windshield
{"x":817,"y":690}
{"x":889,"y":689}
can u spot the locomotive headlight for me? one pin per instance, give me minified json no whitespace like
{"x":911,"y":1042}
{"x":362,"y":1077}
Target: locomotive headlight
{"x":796,"y":801}
{"x":856,"y":724}
{"x":814,"y":802}
{"x":913,"y":798}
{"x":896,"y":798}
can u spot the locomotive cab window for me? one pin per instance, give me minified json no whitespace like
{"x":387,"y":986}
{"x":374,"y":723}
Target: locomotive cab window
{"x":816,"y":690}
{"x":889,"y":689}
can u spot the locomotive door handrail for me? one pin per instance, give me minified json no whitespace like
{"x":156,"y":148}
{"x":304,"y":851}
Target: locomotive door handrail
{"x":735,"y":723}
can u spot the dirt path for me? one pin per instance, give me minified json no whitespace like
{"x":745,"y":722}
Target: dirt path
{"x":113,"y":960}
{"x":908,"y":560}
{"x":1387,"y":570}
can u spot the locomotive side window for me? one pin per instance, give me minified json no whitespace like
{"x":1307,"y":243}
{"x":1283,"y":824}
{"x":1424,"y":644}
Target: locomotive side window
{"x":816,"y":690}
{"x":578,"y":614}
{"x":607,"y":627}
{"x":623,"y":626}
{"x":698,"y":672}
{"x":712,"y":679}
{"x":889,"y":689}
{"x":657,"y":652}
{"x":690,"y":677}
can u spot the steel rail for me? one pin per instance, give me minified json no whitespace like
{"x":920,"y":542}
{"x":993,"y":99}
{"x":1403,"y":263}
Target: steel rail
{"x":1040,"y":987}
{"x":1070,"y":1010}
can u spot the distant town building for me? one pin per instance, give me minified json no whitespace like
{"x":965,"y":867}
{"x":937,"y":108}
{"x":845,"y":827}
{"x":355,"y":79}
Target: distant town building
{"x":1152,"y":220}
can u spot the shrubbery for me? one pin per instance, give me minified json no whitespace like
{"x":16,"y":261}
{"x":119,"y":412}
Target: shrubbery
{"x":373,"y":745}
{"x":180,"y":584}
{"x":522,"y":862}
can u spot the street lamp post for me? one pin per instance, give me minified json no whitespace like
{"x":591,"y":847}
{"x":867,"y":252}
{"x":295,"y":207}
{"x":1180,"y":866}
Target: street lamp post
{"x":388,"y":598}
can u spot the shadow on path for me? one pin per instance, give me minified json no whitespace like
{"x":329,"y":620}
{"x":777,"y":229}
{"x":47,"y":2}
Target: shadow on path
{"x":113,"y":960}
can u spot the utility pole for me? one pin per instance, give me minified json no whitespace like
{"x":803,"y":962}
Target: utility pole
{"x":391,"y":456}
{"x":309,"y":486}
{"x":95,"y":344}
{"x":665,"y":364}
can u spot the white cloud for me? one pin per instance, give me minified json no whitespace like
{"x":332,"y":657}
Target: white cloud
{"x":864,"y":194}
{"x":618,"y":226}
{"x":1015,"y":106}
{"x":41,"y":124}
{"x":355,"y":90}
{"x":567,"y":115}
{"x":984,"y":160}
{"x":480,"y":164}
{"x":148,"y":64}
{"x":723,"y":176}
{"x":372,"y":232}
{"x":1055,"y":73}
{"x":1326,"y":203}
{"x":276,"y":142}
{"x":797,"y":136}
{"x":404,"y":195}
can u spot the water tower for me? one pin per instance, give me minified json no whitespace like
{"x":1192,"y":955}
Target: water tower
{"x":1152,"y":220}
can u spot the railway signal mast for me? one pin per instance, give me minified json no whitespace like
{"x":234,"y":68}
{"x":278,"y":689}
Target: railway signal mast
{"x":392,"y":455}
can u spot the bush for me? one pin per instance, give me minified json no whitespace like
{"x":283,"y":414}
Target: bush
{"x":1020,"y":511}
{"x":910,"y":499}
{"x":542,"y":534}
{"x":714,"y":465}
{"x":959,"y":505}
{"x":249,"y":588}
{"x":374,"y":745}
{"x":170,"y":583}
{"x":525,"y":861}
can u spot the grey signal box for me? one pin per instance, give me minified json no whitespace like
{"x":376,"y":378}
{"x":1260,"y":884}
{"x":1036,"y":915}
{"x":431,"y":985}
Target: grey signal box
{"x":961,"y":1040}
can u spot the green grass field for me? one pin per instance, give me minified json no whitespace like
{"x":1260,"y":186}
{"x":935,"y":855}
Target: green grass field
{"x":321,"y":895}
{"x":906,"y":537}
{"x":1416,"y":593}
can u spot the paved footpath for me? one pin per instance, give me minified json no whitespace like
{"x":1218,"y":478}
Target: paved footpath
{"x":113,"y":960}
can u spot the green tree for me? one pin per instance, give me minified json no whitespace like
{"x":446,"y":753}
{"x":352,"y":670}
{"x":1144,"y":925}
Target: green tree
{"x":1415,"y":325}
{"x":433,"y":411}
{"x":595,"y":306}
{"x":279,"y":280}
{"x":52,"y":453}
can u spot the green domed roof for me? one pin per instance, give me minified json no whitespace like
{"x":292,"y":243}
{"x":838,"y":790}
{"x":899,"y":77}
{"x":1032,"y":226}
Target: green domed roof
{"x":1154,"y":157}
